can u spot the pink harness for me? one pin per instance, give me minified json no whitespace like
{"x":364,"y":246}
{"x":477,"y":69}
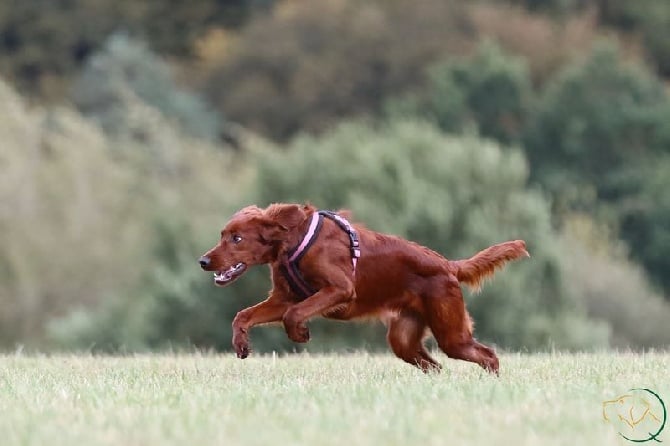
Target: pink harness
{"x":289,"y":267}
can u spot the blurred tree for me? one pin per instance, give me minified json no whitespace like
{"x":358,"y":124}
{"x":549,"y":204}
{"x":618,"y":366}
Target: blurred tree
{"x":43,"y":42}
{"x":559,"y":7}
{"x":489,"y":91}
{"x":648,"y":18}
{"x":612,"y":288}
{"x":59,"y":204}
{"x":644,"y":214}
{"x":126,"y":71}
{"x":546,"y":42}
{"x":305,"y":67}
{"x":597,"y":117}
{"x":596,"y":131}
{"x":78,"y":209}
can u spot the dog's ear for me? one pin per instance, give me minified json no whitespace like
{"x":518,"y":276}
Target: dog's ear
{"x":270,"y":231}
{"x":285,"y":215}
{"x":278,"y":219}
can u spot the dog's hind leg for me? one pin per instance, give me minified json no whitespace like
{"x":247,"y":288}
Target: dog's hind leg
{"x":405,"y":336}
{"x":452,"y":327}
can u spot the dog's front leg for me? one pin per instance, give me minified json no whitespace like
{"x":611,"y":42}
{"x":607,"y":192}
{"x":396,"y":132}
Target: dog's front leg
{"x":270,"y":310}
{"x":295,"y":317}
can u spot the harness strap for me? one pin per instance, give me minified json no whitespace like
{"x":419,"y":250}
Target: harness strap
{"x":351,"y":232}
{"x":289,"y":267}
{"x":312,"y":231}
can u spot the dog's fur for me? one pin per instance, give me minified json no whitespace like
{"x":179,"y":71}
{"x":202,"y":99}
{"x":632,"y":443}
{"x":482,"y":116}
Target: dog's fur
{"x":412,"y":289}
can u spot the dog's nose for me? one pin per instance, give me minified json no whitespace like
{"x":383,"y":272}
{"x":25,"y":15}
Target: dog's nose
{"x":204,"y":261}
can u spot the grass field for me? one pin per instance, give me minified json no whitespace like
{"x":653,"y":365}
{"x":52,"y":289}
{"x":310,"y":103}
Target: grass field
{"x":356,"y":399}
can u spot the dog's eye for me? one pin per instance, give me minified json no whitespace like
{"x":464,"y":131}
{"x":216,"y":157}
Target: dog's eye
{"x":236,"y":239}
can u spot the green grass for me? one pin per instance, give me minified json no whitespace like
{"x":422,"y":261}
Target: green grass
{"x":347,"y":400}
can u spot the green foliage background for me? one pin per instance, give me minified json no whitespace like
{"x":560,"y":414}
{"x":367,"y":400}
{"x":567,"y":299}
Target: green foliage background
{"x":117,"y":167}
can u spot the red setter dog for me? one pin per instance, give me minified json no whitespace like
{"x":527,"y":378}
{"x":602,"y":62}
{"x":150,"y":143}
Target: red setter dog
{"x":323,"y":266}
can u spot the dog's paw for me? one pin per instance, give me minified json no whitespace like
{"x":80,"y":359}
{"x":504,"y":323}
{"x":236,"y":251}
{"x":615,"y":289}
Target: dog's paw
{"x":241,"y":347}
{"x":242,"y":351}
{"x":298,"y":333}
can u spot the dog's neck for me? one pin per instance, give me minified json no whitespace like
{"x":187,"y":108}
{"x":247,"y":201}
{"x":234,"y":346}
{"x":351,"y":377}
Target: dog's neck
{"x":294,"y":235}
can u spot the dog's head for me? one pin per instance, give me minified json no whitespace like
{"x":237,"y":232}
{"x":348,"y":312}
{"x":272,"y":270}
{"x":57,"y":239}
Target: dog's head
{"x":253,"y":236}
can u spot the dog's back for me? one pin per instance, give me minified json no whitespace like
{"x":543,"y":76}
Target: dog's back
{"x":394,"y":273}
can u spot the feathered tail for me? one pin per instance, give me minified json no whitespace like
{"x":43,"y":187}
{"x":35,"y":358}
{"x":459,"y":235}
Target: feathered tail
{"x":483,"y":264}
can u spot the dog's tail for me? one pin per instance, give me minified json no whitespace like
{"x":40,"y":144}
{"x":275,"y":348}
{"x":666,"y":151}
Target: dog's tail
{"x":474,"y":270}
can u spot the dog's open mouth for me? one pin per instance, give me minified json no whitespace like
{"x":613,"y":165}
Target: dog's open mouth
{"x":223,"y":278}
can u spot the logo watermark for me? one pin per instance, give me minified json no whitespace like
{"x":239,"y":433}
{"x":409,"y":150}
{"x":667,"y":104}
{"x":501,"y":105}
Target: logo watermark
{"x":639,"y":415}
